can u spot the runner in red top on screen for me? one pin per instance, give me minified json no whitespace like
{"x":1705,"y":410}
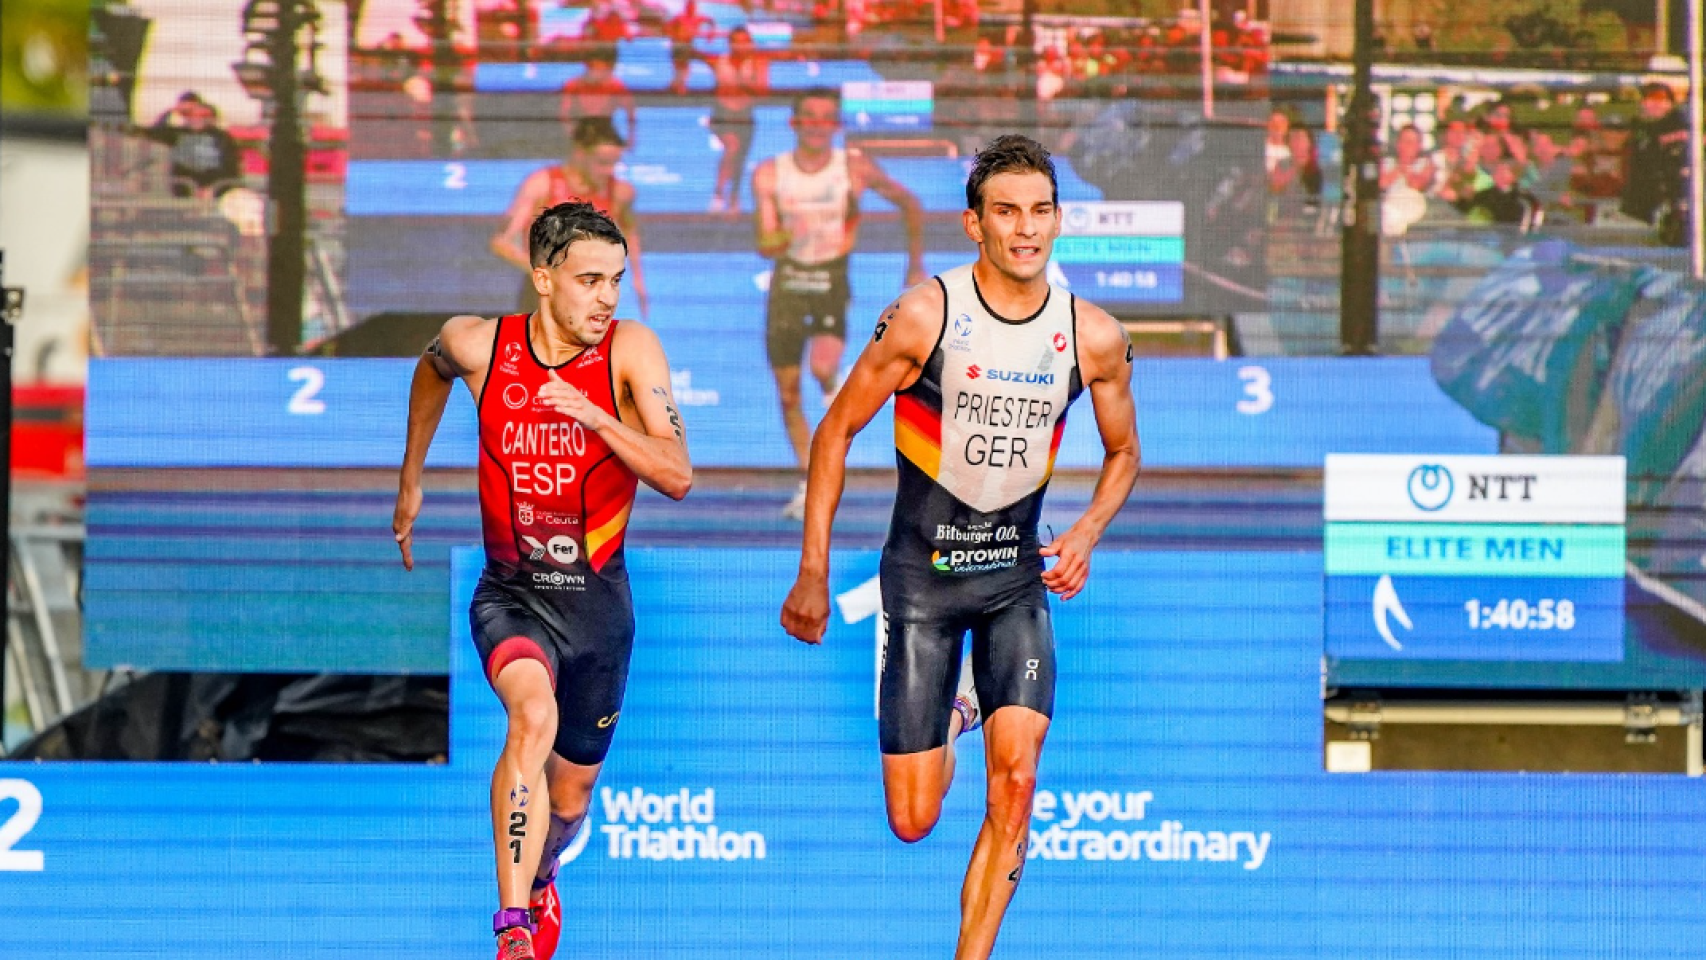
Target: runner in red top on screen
{"x":589,"y":173}
{"x":982,"y":364}
{"x":575,"y":410}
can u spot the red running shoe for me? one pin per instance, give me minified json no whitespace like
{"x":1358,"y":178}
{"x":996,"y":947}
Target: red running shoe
{"x":547,"y":920}
{"x":515,"y":944}
{"x":515,"y":934}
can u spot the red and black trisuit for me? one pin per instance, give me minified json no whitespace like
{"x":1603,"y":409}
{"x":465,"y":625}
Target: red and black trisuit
{"x":554,"y":505}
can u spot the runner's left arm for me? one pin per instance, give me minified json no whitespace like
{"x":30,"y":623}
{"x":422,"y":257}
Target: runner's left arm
{"x":911,"y":213}
{"x":657,"y":451}
{"x":1105,"y":361}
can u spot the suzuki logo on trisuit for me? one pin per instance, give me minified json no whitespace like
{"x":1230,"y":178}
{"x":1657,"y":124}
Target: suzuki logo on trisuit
{"x":974,"y":371}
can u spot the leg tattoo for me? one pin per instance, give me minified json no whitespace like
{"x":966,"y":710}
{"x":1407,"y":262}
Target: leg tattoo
{"x":517,"y":831}
{"x":1019,"y":870}
{"x":556,"y":841}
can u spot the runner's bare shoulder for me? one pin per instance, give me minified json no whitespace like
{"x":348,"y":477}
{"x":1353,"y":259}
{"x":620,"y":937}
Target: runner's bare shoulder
{"x":464,"y":344}
{"x":1104,"y":348}
{"x":913,"y":323}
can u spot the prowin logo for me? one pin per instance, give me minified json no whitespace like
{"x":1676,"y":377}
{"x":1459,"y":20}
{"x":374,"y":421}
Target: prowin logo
{"x":672,"y":826}
{"x":970,"y":561}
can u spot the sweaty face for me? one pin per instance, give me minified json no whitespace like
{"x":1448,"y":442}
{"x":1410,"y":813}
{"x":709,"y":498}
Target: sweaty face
{"x":1017,"y":224}
{"x":580,"y":294}
{"x":815,"y":123}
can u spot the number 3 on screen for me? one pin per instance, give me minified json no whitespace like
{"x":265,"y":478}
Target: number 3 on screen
{"x":1258,"y":390}
{"x":21,"y":822}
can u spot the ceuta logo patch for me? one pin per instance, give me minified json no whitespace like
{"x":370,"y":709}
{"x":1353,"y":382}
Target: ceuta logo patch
{"x":974,"y":371}
{"x":1059,"y":342}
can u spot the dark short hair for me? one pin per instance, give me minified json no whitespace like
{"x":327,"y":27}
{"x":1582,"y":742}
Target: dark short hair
{"x":565,"y":224}
{"x":816,"y":93}
{"x":1653,"y":86}
{"x":1009,"y":153}
{"x":591,"y":132}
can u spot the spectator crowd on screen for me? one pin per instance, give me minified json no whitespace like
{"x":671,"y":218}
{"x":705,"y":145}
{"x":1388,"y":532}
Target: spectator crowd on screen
{"x":1484,"y":167}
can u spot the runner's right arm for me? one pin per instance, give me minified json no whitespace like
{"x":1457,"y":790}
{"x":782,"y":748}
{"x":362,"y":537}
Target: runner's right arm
{"x":900,"y":346}
{"x":509,"y":244}
{"x":629,"y":224}
{"x":455,"y":354}
{"x":771,"y":238}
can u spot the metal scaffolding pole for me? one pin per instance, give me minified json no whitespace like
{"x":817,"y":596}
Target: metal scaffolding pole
{"x":1359,"y":273}
{"x":11,"y":305}
{"x":1696,"y":150}
{"x":1205,"y":14}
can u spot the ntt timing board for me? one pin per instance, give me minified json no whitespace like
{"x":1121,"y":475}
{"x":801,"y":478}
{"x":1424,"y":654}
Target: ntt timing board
{"x":1477,"y":558}
{"x":1123,"y":251}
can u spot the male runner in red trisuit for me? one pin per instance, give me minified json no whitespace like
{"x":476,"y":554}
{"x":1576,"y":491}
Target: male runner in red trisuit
{"x":982,"y":364}
{"x":589,"y":173}
{"x":575,"y":409}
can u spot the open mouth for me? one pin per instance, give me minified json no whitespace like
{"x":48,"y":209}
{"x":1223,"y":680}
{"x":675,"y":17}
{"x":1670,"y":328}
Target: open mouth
{"x":1025,"y":252}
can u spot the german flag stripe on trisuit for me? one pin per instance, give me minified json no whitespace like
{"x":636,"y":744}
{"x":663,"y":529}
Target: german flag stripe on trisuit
{"x":918,"y":433}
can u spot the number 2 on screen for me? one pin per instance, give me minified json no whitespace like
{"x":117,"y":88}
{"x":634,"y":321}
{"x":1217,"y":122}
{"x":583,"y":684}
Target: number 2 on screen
{"x":21,"y":822}
{"x":455,"y":176}
{"x":1258,"y":390}
{"x":304,"y":401}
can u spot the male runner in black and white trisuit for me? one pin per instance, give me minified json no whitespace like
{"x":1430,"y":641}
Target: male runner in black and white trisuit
{"x":807,"y":220}
{"x":574,"y":410}
{"x":982,"y":364}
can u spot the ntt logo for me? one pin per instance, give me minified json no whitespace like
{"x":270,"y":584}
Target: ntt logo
{"x":1430,"y":487}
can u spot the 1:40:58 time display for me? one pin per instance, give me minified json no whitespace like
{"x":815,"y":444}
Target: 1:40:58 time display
{"x":1519,"y":614}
